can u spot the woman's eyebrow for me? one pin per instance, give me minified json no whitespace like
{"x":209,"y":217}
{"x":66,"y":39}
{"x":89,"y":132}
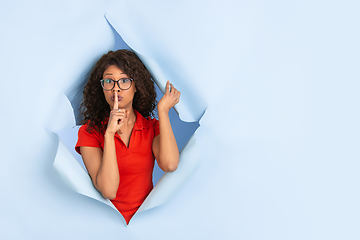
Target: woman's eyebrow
{"x":112,"y":74}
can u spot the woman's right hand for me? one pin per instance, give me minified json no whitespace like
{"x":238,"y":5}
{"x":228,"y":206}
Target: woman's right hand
{"x":117,"y":118}
{"x":102,"y":163}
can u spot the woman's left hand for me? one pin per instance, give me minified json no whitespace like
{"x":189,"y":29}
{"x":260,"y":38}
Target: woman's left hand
{"x":164,"y":146}
{"x":170,"y":98}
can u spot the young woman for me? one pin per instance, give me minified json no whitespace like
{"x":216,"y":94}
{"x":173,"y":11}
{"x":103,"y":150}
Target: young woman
{"x":119,"y":140}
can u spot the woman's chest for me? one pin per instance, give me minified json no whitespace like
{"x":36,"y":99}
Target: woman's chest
{"x":137,"y":155}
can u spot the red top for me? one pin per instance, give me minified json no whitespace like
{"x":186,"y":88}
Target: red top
{"x":135,"y":162}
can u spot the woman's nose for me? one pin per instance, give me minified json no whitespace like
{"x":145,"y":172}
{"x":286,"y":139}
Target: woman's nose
{"x":116,"y":87}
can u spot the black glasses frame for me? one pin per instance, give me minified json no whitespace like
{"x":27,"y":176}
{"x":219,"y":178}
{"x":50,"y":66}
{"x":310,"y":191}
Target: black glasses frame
{"x":116,"y":81}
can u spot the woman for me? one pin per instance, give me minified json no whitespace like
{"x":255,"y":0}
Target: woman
{"x":119,"y":140}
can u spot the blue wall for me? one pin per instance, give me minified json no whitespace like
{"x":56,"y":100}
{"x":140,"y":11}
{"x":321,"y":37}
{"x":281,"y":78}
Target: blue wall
{"x":277,"y":150}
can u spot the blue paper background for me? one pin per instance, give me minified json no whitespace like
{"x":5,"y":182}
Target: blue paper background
{"x":278,"y":144}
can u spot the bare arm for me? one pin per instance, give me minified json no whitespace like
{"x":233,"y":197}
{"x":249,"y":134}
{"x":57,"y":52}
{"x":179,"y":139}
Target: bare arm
{"x":102,"y":165}
{"x":164,"y":146}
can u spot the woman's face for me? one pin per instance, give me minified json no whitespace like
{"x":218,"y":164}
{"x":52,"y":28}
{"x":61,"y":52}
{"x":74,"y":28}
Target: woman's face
{"x":125,"y":97}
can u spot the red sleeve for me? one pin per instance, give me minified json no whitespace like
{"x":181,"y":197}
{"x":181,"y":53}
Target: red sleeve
{"x":86,"y":139}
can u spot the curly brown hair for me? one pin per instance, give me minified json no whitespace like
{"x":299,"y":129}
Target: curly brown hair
{"x":94,"y":108}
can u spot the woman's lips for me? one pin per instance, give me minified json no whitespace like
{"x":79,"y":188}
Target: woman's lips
{"x":119,"y":97}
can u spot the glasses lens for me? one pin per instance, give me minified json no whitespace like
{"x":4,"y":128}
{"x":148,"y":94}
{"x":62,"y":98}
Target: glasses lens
{"x":107,"y":84}
{"x":125,"y":83}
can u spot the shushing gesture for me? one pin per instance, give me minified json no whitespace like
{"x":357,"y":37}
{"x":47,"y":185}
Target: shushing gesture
{"x":170,"y":98}
{"x":117,"y":117}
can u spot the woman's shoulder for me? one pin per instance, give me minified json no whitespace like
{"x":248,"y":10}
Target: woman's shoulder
{"x":88,"y":138}
{"x":91,"y":128}
{"x":85,"y":129}
{"x":145,"y":122}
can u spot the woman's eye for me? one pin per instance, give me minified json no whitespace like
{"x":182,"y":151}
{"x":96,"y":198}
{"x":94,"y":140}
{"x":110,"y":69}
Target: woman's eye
{"x":124,"y":80}
{"x":108,"y":81}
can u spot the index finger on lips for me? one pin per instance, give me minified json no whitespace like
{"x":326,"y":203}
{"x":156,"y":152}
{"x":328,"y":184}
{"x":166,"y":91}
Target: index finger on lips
{"x":116,"y":103}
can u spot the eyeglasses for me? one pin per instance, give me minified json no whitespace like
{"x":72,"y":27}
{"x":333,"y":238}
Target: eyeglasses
{"x":123,"y":83}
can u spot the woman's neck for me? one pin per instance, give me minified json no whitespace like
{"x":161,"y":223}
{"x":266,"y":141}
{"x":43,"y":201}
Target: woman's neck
{"x":131,"y":116}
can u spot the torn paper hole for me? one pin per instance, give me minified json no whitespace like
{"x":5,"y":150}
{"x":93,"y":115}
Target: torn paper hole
{"x":70,"y":167}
